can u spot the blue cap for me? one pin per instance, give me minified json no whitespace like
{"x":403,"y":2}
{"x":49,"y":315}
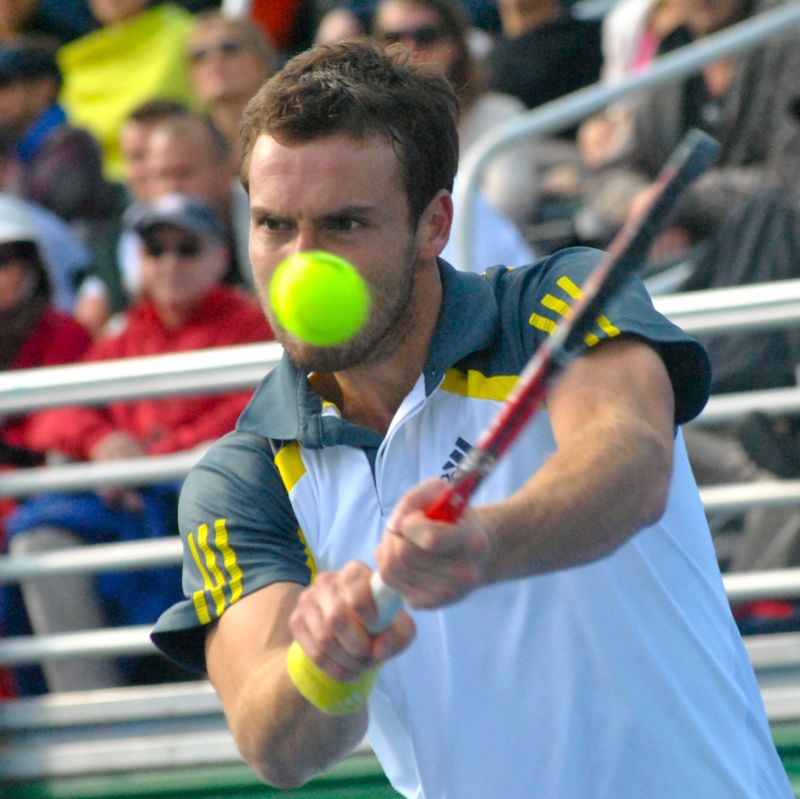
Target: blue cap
{"x":178,"y":210}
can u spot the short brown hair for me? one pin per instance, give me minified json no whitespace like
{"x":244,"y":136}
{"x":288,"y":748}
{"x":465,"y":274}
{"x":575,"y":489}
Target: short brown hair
{"x":358,"y":89}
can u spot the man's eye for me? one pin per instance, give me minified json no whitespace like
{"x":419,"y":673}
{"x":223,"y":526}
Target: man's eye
{"x":344,"y":223}
{"x":273,"y":223}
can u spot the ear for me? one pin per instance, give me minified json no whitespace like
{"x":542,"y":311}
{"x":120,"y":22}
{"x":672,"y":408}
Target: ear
{"x":433,"y":229}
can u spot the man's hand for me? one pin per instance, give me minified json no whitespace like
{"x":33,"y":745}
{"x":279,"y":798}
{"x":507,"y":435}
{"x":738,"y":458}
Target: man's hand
{"x":330,"y":624}
{"x":432,"y":563}
{"x":117,"y":446}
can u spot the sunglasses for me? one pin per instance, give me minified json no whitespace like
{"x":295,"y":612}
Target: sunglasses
{"x":424,"y":36}
{"x":229,"y":47}
{"x":183,"y":249}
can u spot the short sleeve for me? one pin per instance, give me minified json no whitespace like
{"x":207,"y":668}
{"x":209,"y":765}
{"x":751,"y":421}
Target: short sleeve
{"x":239,"y":534}
{"x":534,"y":300}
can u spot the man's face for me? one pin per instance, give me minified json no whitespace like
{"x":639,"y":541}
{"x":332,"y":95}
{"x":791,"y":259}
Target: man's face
{"x":22,"y":101}
{"x":346,"y":197}
{"x":178,"y":268}
{"x":222,"y":65}
{"x":418,"y":29}
{"x":187,"y":163}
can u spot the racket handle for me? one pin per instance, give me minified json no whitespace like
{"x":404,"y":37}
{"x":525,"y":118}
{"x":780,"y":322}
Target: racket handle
{"x":387,"y":600}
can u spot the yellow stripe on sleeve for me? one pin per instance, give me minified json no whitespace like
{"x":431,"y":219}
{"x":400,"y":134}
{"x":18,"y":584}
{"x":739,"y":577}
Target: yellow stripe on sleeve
{"x":474,"y":384}
{"x":199,"y":597}
{"x":228,"y":559}
{"x":542,"y":323}
{"x":574,"y":291}
{"x":565,"y":284}
{"x":291,"y":468}
{"x":218,"y":580}
{"x":554,"y":304}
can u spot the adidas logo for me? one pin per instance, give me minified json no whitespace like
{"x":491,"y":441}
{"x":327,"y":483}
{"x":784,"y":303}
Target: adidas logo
{"x":456,"y":456}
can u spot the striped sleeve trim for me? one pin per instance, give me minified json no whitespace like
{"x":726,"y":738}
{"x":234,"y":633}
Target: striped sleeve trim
{"x":222,"y":578}
{"x":559,"y":307}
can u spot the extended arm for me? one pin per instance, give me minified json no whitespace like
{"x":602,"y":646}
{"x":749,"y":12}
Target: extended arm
{"x":613,"y":419}
{"x":285,"y":738}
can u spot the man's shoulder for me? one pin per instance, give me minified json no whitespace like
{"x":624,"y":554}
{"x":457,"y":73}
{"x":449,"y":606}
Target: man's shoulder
{"x":237,"y":462}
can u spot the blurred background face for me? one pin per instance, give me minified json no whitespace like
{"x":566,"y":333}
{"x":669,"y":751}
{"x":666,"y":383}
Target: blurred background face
{"x":185,"y":161}
{"x":14,"y":13}
{"x":133,"y":147}
{"x":223,"y":65}
{"x":18,"y":276}
{"x":178,"y":268}
{"x":708,"y":16}
{"x":13,"y":275}
{"x":109,"y":12}
{"x":21,"y":102}
{"x":418,"y":29}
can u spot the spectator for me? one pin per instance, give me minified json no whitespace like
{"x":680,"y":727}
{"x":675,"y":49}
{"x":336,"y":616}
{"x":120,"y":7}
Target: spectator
{"x":229,"y":59}
{"x":435,"y":32}
{"x":111,"y":280}
{"x":59,"y":165}
{"x":191,"y":155}
{"x":745,"y":103}
{"x":544,"y":52}
{"x":185,"y":153}
{"x":134,"y":137}
{"x":338,"y":23}
{"x":182,"y":307}
{"x":138,"y":53}
{"x":32,"y":333}
{"x":633,"y":33}
{"x":65,"y":256}
{"x":57,"y":20}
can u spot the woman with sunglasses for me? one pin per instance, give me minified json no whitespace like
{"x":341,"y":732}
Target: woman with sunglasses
{"x":228,"y":60}
{"x":436,"y":32}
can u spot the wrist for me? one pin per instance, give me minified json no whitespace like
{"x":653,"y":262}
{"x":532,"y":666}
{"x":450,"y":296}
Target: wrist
{"x":326,"y":693}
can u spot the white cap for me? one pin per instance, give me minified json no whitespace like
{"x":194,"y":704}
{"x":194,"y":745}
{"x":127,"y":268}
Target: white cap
{"x":16,"y":221}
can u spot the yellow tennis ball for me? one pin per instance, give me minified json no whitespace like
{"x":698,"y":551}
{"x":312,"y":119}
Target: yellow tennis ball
{"x":319,"y":297}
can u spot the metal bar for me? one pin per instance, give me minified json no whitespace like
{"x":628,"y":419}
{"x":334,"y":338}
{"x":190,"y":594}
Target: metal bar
{"x":197,"y":372}
{"x":127,"y":556}
{"x":95,"y":474}
{"x":19,"y":650}
{"x":725,"y":408}
{"x":574,"y":107}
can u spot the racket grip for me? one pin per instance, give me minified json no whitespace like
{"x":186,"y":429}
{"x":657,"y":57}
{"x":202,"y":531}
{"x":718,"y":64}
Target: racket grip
{"x":387,"y":601}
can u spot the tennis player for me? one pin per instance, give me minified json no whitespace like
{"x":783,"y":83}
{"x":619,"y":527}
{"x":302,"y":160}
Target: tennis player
{"x":570,"y":636}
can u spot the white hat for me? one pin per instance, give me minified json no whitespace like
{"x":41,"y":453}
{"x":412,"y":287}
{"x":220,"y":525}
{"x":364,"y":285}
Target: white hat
{"x":16,"y":221}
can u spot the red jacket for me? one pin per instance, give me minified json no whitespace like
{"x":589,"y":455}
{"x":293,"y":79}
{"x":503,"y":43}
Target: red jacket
{"x":162,"y":424}
{"x":57,"y":339}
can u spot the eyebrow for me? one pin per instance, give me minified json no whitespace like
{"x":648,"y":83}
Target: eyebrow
{"x":350,"y":210}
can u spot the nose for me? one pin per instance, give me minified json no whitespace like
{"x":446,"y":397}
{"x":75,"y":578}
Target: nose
{"x":306,"y":240}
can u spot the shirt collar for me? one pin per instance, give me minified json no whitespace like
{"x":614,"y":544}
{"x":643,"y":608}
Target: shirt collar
{"x":285,"y":407}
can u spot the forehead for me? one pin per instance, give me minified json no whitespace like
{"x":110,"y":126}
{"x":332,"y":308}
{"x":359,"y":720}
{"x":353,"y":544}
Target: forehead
{"x":398,"y":12}
{"x":323,"y":174}
{"x":213,"y":29}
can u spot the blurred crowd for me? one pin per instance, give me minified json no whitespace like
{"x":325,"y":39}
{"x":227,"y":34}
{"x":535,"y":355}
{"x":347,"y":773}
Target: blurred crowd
{"x":124,"y":229}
